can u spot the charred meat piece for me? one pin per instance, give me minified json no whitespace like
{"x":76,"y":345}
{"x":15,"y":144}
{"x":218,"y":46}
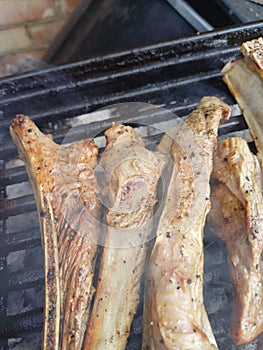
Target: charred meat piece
{"x":63,"y":183}
{"x":244,"y":78}
{"x":130,"y":177}
{"x":236,"y":216}
{"x":174,"y":314}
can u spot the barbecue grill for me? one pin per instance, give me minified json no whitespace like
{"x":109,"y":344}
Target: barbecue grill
{"x":173,"y":75}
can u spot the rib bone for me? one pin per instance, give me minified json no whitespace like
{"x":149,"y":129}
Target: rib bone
{"x":174,"y":314}
{"x":131,"y":176}
{"x":63,"y":184}
{"x":236,"y":217}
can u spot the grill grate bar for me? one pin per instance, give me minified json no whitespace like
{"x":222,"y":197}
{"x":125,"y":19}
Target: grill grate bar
{"x":87,"y":99}
{"x":16,"y":206}
{"x":21,"y":240}
{"x":152,"y":68}
{"x":22,"y":323}
{"x":220,"y":40}
{"x":26,"y":279}
{"x":13,"y":176}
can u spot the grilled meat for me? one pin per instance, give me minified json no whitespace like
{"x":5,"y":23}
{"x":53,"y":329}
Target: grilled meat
{"x":174,"y":315}
{"x":131,"y":175}
{"x":63,"y":183}
{"x":236,"y":217}
{"x":244,"y":78}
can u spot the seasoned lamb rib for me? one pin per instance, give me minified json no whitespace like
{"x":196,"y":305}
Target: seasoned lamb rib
{"x":236,"y":216}
{"x":68,"y":208}
{"x":131,"y":174}
{"x":244,"y":78}
{"x":174,"y":315}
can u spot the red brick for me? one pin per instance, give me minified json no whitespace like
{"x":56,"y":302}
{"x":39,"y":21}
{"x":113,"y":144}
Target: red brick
{"x":14,"y":39}
{"x":20,"y":62}
{"x":19,"y":11}
{"x":68,"y":6}
{"x":44,"y":33}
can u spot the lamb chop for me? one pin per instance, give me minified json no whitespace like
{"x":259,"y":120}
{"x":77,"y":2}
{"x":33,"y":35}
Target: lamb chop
{"x":129,"y":174}
{"x":68,"y":208}
{"x":174,"y":314}
{"x":236,"y":217}
{"x":244,"y":78}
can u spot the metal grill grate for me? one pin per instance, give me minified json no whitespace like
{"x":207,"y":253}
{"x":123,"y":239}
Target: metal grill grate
{"x":174,"y":75}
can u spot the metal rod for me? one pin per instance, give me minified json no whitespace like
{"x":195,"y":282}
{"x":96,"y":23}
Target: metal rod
{"x":190,"y":15}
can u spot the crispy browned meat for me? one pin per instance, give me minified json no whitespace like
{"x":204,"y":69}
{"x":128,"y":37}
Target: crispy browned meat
{"x":244,"y":78}
{"x":63,"y":183}
{"x":131,"y":175}
{"x":236,"y":217}
{"x":174,"y":315}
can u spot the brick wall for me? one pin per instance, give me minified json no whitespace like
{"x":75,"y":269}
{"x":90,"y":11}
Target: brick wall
{"x":26,"y":30}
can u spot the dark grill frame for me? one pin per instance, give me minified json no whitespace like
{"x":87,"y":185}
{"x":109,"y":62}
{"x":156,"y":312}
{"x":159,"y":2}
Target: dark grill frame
{"x":175,"y":74}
